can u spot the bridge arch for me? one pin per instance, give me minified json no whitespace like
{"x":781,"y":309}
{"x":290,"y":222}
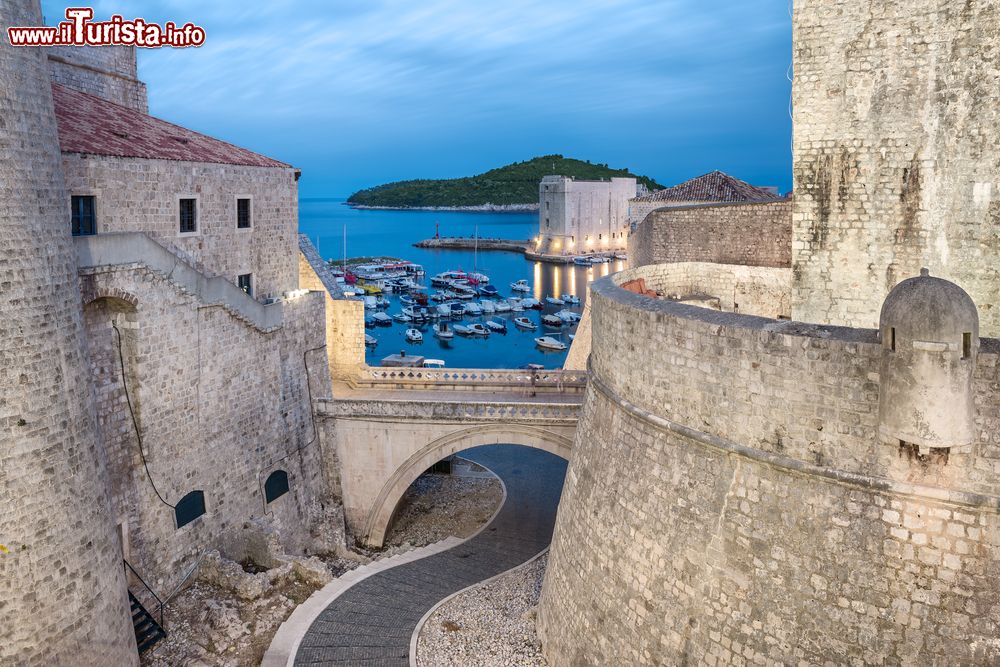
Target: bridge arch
{"x":392,"y":491}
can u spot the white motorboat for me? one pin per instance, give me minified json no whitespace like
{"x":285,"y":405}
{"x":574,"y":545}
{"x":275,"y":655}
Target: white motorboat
{"x":599,"y":259}
{"x":371,"y":341}
{"x":381,"y":302}
{"x":473,"y":308}
{"x":502,"y":307}
{"x":552,"y":321}
{"x":515,"y":305}
{"x":550,"y":343}
{"x":444,"y":309}
{"x":414,"y":335}
{"x":554,"y":301}
{"x":531,"y":304}
{"x":582,"y":260}
{"x":407,"y":300}
{"x":568,"y":316}
{"x":478,"y":329}
{"x":442,"y":332}
{"x":488,"y":307}
{"x":496,"y":325}
{"x":462,"y":329}
{"x":382,"y":319}
{"x":371,"y":303}
{"x":571,"y":299}
{"x":524,"y":323}
{"x":402,"y":317}
{"x":520,"y":286}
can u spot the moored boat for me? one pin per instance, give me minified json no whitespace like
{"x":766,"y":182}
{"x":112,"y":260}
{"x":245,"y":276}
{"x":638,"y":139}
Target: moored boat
{"x":371,"y":341}
{"x":568,"y":316}
{"x":571,"y":299}
{"x":502,"y":306}
{"x":442,"y":332}
{"x":414,"y":335}
{"x":554,"y":301}
{"x":402,"y":317}
{"x":582,"y":260}
{"x":550,"y":343}
{"x":531,"y":304}
{"x":497,"y":325}
{"x":473,"y":308}
{"x":488,"y":307}
{"x":382,"y":319}
{"x":478,"y":329}
{"x":520,"y":286}
{"x":552,"y":321}
{"x":524,"y":323}
{"x":488,"y":291}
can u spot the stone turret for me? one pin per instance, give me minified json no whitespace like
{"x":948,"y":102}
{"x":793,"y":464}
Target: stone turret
{"x":930,"y":339}
{"x":62,"y":587}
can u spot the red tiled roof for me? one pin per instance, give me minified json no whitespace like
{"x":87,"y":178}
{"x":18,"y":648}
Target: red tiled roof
{"x":91,"y":125}
{"x":714,"y":187}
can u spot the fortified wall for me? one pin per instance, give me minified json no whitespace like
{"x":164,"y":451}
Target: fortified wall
{"x":759,"y":515}
{"x":896,"y":153}
{"x":750,"y":234}
{"x":108,"y":72}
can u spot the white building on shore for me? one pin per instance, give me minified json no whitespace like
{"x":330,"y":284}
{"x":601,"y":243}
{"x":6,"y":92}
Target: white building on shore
{"x":577,"y":217}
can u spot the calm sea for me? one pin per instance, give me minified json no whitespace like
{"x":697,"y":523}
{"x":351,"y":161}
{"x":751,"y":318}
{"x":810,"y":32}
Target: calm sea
{"x":393,"y":233}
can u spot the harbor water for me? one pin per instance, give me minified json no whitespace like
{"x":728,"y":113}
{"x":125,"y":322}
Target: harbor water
{"x":376,"y":233}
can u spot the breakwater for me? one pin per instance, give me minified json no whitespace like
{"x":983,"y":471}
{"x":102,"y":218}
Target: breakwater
{"x":470,"y":243}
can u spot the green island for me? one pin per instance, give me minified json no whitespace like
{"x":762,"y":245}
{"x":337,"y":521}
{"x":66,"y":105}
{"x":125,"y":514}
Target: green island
{"x":514,"y":185}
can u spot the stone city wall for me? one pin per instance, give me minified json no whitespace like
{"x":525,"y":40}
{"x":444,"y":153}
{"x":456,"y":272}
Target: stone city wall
{"x":220,"y":405}
{"x":139,"y":195}
{"x":896,"y":155}
{"x":108,"y":72}
{"x":729,"y":502}
{"x":63,"y":599}
{"x":754,"y":234}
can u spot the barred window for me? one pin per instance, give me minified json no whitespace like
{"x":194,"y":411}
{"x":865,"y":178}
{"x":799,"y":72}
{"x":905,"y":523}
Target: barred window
{"x":188,"y":215}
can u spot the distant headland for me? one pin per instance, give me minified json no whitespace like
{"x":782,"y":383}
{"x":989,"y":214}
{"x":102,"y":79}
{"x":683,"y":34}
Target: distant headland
{"x":512,"y":188}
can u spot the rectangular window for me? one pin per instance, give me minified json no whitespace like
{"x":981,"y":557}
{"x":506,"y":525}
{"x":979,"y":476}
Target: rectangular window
{"x":83,"y":218}
{"x":188,"y":216}
{"x":242,"y":214}
{"x":546,"y":222}
{"x":245,"y":282}
{"x":967,"y":345}
{"x":892,"y":338}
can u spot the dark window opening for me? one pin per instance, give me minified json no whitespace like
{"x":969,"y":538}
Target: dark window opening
{"x":188,"y":215}
{"x":243,"y":214}
{"x":276,"y":485}
{"x":245,"y":283}
{"x":892,"y":338}
{"x":967,"y":345}
{"x":546,"y":222}
{"x":84,"y":220}
{"x":189,"y":508}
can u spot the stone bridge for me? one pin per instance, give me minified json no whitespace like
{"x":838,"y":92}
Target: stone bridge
{"x":388,"y":425}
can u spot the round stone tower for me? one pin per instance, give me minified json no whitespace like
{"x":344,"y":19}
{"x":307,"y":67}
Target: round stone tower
{"x":930,"y":338}
{"x":62,"y":586}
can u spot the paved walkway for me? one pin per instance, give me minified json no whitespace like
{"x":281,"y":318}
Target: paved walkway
{"x":370,"y":624}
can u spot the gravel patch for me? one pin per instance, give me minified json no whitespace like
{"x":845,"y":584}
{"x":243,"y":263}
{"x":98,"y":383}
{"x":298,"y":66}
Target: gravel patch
{"x":492,"y":625}
{"x":437,"y":506}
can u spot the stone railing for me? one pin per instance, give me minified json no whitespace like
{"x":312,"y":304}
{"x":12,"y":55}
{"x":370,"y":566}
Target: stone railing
{"x":471,"y":379}
{"x":136,"y":248}
{"x":490,"y":411}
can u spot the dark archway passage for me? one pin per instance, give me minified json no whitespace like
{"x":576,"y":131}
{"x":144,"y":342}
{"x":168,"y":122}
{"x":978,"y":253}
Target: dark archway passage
{"x":370,"y":624}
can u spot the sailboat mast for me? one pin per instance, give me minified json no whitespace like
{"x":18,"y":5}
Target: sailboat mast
{"x":475,"y":252}
{"x":345,"y":246}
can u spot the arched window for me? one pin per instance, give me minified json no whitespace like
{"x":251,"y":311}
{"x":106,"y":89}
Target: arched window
{"x":189,"y":508}
{"x":276,"y":485}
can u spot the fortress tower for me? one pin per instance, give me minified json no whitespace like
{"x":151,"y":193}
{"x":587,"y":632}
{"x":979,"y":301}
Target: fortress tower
{"x":62,"y":587}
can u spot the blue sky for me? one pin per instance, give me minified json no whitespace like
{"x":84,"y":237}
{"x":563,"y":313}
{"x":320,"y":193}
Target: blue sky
{"x":360,"y":93}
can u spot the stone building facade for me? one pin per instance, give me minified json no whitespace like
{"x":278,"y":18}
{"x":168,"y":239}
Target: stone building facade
{"x":166,"y":360}
{"x":578,"y":217}
{"x":896,"y":154}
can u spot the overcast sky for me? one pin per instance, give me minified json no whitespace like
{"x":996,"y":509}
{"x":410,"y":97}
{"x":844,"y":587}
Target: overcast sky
{"x":360,"y":93}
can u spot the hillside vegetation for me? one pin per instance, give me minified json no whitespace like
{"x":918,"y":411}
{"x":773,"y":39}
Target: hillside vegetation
{"x":510,"y":185}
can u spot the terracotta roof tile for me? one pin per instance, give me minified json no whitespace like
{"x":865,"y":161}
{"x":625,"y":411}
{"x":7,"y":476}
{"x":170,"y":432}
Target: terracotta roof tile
{"x":714,"y":187}
{"x":91,"y":125}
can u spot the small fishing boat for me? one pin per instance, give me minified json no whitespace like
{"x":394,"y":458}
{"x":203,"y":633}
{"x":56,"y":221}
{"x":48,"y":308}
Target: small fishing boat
{"x":371,"y":341}
{"x":414,"y":335}
{"x":570,"y":299}
{"x":382,"y":319}
{"x":402,"y":317}
{"x":531,"y":304}
{"x":582,"y":260}
{"x":457,"y":311}
{"x":472,"y":308}
{"x":413,"y":312}
{"x":478,"y":329}
{"x":568,"y":316}
{"x":520,"y":286}
{"x":407,"y":300}
{"x":442,"y":332}
{"x":488,"y":291}
{"x":497,"y":325}
{"x":462,"y":329}
{"x":552,"y":321}
{"x":502,"y":307}
{"x":524,"y":323}
{"x":464,"y":293}
{"x":488,"y":307}
{"x":550,"y":343}
{"x":554,"y":301}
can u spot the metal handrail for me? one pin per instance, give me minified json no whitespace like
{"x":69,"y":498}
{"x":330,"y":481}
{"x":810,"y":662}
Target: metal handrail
{"x":151,"y":591}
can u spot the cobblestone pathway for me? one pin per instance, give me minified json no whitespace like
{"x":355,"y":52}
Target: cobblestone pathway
{"x":370,"y":624}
